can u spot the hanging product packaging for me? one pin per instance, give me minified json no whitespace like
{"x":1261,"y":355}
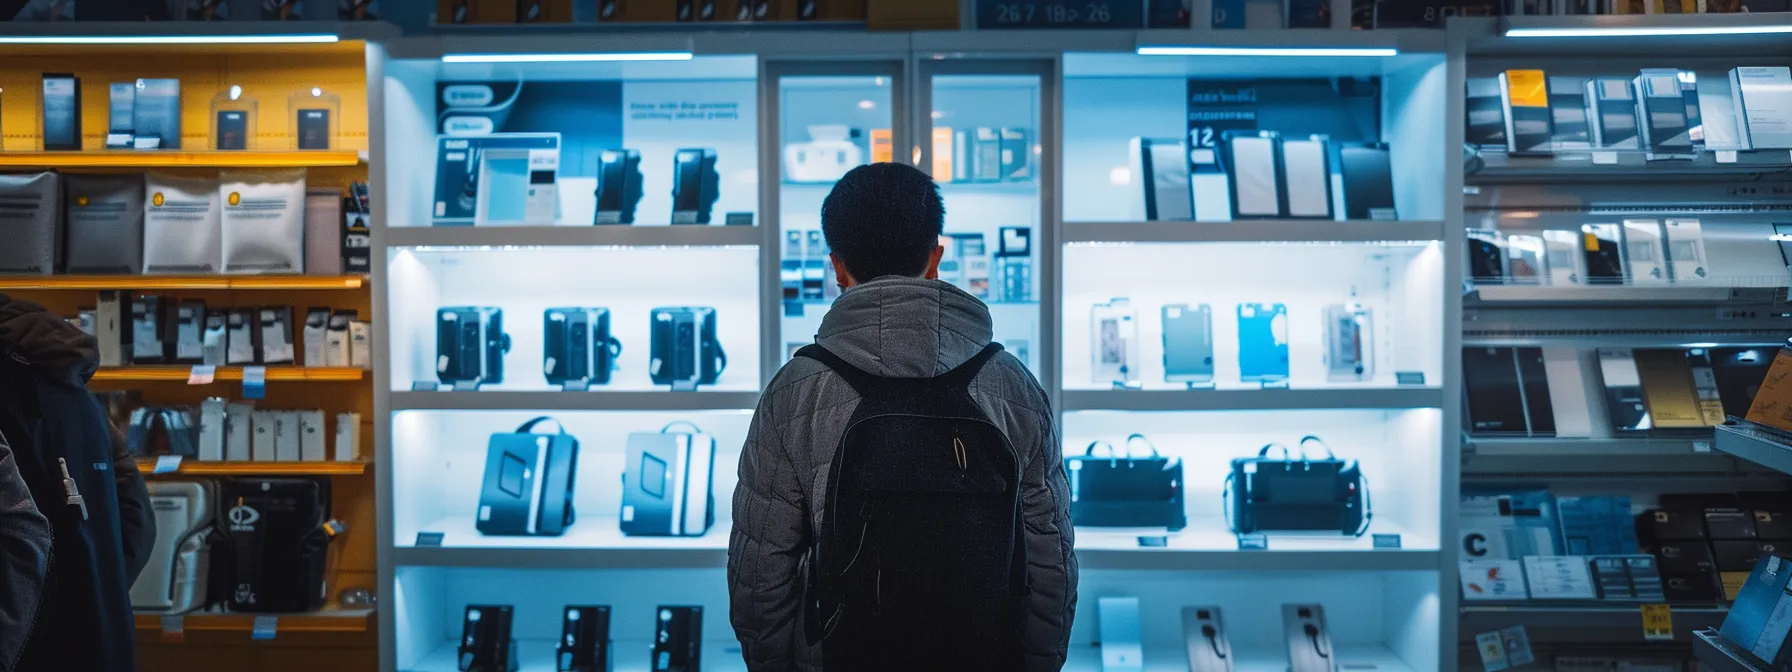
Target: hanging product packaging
{"x":264,"y":221}
{"x":181,"y":231}
{"x":105,"y":223}
{"x":30,"y":223}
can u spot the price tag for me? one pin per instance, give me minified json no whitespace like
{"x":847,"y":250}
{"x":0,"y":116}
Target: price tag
{"x":1701,"y":446}
{"x":1385,"y":540}
{"x":429,"y":539}
{"x":264,"y":628}
{"x":1658,"y":623}
{"x":1605,"y":158}
{"x":167,"y":464}
{"x":1493,"y":651}
{"x":1725,"y":155}
{"x":1060,"y":14}
{"x":1253,"y":542}
{"x":202,"y":375}
{"x":255,"y":382}
{"x":174,"y":629}
{"x":1518,"y":646}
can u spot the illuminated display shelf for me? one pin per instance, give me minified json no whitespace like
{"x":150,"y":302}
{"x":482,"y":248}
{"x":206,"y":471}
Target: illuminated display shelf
{"x":1253,"y":399}
{"x":195,"y":282}
{"x":210,"y":468}
{"x":231,"y":373}
{"x":181,"y":159}
{"x":329,"y":620}
{"x":1254,"y":231}
{"x":573,"y":236}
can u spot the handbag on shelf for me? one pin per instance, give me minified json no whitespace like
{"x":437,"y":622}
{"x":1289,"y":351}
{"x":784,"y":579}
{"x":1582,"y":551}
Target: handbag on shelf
{"x":1126,"y":490}
{"x":1268,"y":494}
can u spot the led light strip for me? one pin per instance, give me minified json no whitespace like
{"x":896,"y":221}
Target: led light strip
{"x":1323,"y":52}
{"x":1648,"y":32}
{"x":568,"y":58}
{"x":174,"y":39}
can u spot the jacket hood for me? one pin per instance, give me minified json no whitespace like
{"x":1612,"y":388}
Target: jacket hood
{"x":50,"y":342}
{"x":906,"y":327}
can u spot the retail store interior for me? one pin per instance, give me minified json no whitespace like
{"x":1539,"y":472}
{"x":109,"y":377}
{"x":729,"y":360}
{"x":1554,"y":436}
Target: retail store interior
{"x":1372,"y":341}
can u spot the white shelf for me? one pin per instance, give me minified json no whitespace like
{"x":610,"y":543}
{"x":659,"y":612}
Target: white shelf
{"x":574,"y":401}
{"x":1249,"y":400}
{"x":592,"y":542}
{"x":1085,"y":658}
{"x":1662,"y":456}
{"x":573,"y":236}
{"x":1580,"y":295}
{"x":626,"y":655}
{"x":1583,"y":624}
{"x":1207,"y":546}
{"x":1761,"y":445}
{"x":1253,"y":231}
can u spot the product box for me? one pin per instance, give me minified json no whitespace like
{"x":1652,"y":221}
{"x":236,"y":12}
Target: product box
{"x":103,"y":223}
{"x":263,"y":221}
{"x":1525,"y":98}
{"x":1735,"y":556}
{"x":1493,"y":580}
{"x":1763,"y":100}
{"x":262,"y":441}
{"x":239,"y":430}
{"x":1668,"y":388}
{"x":1508,"y":525}
{"x":1730,"y":523}
{"x":1559,"y":577}
{"x":1698,"y":588}
{"x":1757,"y":618}
{"x":1486,"y":113}
{"x":1568,"y":114}
{"x":1674,"y":524}
{"x":33,"y":223}
{"x":155,"y":117}
{"x":348,"y":437}
{"x":182,"y":229}
{"x":1682,"y":557}
{"x":1645,"y":260}
{"x":1596,"y":525}
{"x":61,"y":112}
{"x":120,"y":113}
{"x":286,"y":436}
{"x":1773,"y":401}
{"x":312,"y":436}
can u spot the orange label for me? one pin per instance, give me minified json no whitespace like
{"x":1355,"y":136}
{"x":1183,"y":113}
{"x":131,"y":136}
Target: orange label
{"x":883,"y":146}
{"x":1527,"y":88}
{"x":942,"y":154}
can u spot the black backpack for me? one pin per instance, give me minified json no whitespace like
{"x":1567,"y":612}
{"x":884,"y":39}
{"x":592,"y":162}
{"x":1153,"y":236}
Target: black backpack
{"x":920,"y":561}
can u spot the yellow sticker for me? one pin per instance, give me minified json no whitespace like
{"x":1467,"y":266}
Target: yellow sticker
{"x":1590,"y":241}
{"x":156,"y":199}
{"x":1658,"y":623}
{"x":236,"y":198}
{"x":1527,"y":88}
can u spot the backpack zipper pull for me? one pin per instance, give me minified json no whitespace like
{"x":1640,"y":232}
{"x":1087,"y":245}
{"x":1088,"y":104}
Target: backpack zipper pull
{"x":68,"y":486}
{"x":959,"y":454}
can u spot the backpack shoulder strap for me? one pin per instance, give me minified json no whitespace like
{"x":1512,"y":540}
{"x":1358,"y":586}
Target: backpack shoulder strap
{"x":860,"y":381}
{"x":963,"y":374}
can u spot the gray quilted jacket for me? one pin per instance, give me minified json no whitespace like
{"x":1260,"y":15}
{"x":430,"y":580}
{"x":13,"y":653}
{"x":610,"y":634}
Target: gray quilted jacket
{"x":897,"y":328}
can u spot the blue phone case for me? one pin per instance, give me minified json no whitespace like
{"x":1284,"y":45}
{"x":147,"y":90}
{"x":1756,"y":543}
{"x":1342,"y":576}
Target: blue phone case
{"x":1262,"y":342}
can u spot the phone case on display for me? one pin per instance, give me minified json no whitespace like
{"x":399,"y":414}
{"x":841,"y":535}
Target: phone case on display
{"x":1115,"y":338}
{"x":584,"y":639}
{"x":1507,"y":391}
{"x":1740,"y":373}
{"x":152,"y":330}
{"x":685,"y":352}
{"x":1644,"y":255}
{"x":1568,"y":114}
{"x":1204,"y":635}
{"x":1486,"y":257}
{"x":1486,"y":114}
{"x":1757,"y":614}
{"x":276,"y":543}
{"x":695,"y":185}
{"x":529,"y":480}
{"x":1253,"y":161}
{"x":1309,"y":642}
{"x":174,"y":578}
{"x":1349,"y":343}
{"x":578,"y":350}
{"x":1603,"y":252}
{"x":677,"y":639}
{"x":1368,"y":175}
{"x":1188,"y":344}
{"x":1116,"y":490}
{"x":1686,"y":250}
{"x":1623,"y":390}
{"x":1563,"y":254}
{"x":619,"y":188}
{"x":470,"y":345}
{"x":1162,"y":170}
{"x":1525,"y":95}
{"x":486,"y":642}
{"x":1014,"y":263}
{"x":1611,"y":113}
{"x":1284,"y":494}
{"x":1263,"y":342}
{"x":668,"y":489}
{"x":1306,"y":169}
{"x":1525,"y":262}
{"x":1661,"y":107}
{"x":1567,"y":385}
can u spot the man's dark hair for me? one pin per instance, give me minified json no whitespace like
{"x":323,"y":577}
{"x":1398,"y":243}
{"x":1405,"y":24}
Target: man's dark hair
{"x":883,"y":219}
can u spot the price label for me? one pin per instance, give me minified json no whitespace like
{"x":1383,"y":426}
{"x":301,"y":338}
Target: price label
{"x":202,"y":375}
{"x":1385,"y":540}
{"x":255,"y":382}
{"x":999,"y":14}
{"x":429,"y":539}
{"x":1725,"y":155}
{"x":174,"y":629}
{"x":1253,"y":542}
{"x":264,"y":628}
{"x":1701,"y":446}
{"x":1605,"y":158}
{"x":1658,"y":623}
{"x":167,"y":464}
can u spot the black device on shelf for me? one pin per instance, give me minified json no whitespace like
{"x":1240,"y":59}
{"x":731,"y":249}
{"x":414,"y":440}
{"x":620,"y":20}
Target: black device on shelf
{"x":677,"y":639}
{"x":577,"y":348}
{"x":486,"y":644}
{"x":1125,"y":491}
{"x":470,"y":345}
{"x":276,"y":534}
{"x":584,"y":640}
{"x":696,"y":186}
{"x":618,"y":186}
{"x":1267,"y":494}
{"x":685,"y":352}
{"x":1368,"y":180}
{"x":529,"y":481}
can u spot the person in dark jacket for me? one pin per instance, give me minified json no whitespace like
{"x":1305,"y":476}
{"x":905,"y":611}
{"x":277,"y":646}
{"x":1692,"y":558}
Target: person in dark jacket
{"x":895,"y":319}
{"x":95,"y":501}
{"x":24,"y":558}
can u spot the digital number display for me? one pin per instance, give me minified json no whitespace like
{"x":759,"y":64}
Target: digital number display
{"x":1060,"y":14}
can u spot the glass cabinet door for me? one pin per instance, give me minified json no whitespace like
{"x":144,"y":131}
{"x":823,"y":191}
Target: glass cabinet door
{"x":831,"y":118}
{"x":981,"y":139}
